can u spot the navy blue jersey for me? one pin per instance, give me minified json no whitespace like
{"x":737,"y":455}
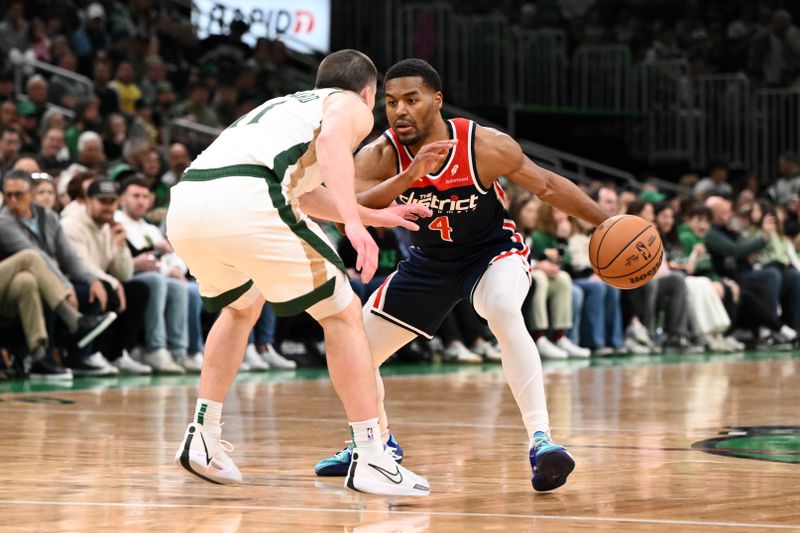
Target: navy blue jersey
{"x":467,"y":218}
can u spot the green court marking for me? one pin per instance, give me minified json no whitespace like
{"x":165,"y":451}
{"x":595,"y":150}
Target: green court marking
{"x":392,"y":369}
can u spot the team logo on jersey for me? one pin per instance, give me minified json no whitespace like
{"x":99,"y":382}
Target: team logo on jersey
{"x":449,"y":205}
{"x":454,"y":170}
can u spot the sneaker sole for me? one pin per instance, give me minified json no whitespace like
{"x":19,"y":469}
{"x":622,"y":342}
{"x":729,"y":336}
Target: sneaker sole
{"x":183,"y":460}
{"x":554,"y":466}
{"x":384,"y":489}
{"x":51,"y":377}
{"x":100,"y":328}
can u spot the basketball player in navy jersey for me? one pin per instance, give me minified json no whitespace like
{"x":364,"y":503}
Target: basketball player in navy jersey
{"x":468,"y":249}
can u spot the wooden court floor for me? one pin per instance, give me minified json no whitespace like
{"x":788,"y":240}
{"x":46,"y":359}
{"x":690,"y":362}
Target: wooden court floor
{"x":100,"y":459}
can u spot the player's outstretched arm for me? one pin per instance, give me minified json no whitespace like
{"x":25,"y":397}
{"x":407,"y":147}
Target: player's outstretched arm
{"x":346,"y":120}
{"x":376,"y":182}
{"x":319,"y":204}
{"x":500,"y":155}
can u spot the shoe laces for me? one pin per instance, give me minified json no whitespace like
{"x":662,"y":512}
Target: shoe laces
{"x":226,"y":446}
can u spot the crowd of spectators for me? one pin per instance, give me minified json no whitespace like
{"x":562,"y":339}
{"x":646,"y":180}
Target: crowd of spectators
{"x":89,"y":284}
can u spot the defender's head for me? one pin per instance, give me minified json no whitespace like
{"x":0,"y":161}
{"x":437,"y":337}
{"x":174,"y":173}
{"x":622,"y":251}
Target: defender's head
{"x":350,"y":70}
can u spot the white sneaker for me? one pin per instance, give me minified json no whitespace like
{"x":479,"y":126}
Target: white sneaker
{"x":382,"y":475}
{"x":253,"y":359}
{"x":788,"y":333}
{"x":734,"y":343}
{"x":572,"y":349}
{"x":97,"y":359}
{"x":161,"y":362}
{"x":127,"y":365}
{"x":204,"y":456}
{"x":191,"y":363}
{"x":276,"y":360}
{"x":634,"y":348}
{"x":549,"y":350}
{"x":487,"y":351}
{"x":456,"y":352}
{"x":638,"y":332}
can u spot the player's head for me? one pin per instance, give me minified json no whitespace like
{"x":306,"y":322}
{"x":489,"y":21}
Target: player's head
{"x":350,"y":70}
{"x":413,"y":91}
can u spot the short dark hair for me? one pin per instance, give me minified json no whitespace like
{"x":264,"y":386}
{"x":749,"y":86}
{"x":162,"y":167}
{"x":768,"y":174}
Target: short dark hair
{"x":75,"y":185}
{"x":135,"y":180}
{"x":412,"y":68}
{"x":19,"y":175}
{"x":347,"y":69}
{"x":700,"y":211}
{"x":7,"y":129}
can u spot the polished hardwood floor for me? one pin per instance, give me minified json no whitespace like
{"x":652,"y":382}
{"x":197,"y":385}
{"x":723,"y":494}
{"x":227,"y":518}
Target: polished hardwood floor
{"x":101,"y":458}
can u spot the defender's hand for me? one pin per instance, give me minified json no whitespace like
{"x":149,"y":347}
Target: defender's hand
{"x":365,"y":247}
{"x":398,"y":215}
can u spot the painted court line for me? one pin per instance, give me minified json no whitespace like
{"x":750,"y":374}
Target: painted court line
{"x":655,"y":521}
{"x":397,"y":421}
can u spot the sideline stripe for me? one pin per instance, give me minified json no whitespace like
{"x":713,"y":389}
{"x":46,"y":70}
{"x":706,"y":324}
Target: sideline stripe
{"x":419,"y":512}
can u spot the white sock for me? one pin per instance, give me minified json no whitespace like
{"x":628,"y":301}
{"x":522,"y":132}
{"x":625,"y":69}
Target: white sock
{"x":208,"y":414}
{"x":367,"y":436}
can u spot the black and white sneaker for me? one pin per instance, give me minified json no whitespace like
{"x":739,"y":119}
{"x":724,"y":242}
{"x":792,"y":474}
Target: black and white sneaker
{"x":205,"y":456}
{"x":90,"y":326}
{"x":380,"y":474}
{"x":46,"y":369}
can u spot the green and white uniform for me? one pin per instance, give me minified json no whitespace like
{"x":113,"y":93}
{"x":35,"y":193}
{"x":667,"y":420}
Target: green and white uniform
{"x":235,"y":217}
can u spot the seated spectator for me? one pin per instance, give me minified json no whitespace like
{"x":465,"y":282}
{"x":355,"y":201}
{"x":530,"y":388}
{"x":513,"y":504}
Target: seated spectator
{"x":36,"y":88}
{"x":551,"y":301}
{"x":261,"y":353}
{"x":52,"y":156}
{"x":90,"y":152}
{"x":155,"y":263}
{"x":25,"y":226}
{"x":599,"y":325}
{"x":779,"y":255}
{"x":44,"y":191}
{"x":28,"y":128}
{"x":464,"y":337}
{"x":10,"y":144}
{"x":706,"y":312}
{"x":87,"y":118}
{"x":25,"y":282}
{"x":100,"y":243}
{"x":75,"y":193}
{"x":788,"y":183}
{"x":716,"y":182}
{"x":177,"y":160}
{"x":125,"y":86}
{"x":666,"y":294}
{"x":196,"y":107}
{"x":729,"y":253}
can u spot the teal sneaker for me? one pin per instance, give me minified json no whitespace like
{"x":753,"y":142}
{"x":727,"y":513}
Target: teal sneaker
{"x":338,"y":464}
{"x":550,"y":462}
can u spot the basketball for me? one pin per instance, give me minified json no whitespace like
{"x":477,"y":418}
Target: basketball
{"x":626,"y":251}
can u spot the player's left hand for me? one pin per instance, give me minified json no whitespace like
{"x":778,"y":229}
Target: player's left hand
{"x":365,"y":247}
{"x":399,"y":215}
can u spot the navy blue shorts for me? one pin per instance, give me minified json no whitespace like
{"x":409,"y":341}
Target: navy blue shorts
{"x":423,"y":290}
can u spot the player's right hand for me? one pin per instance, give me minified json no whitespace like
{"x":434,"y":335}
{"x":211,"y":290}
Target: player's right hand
{"x":430,"y":157}
{"x":399,"y":216}
{"x":365,"y":247}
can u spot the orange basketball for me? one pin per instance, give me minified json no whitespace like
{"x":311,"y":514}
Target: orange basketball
{"x":626,"y":251}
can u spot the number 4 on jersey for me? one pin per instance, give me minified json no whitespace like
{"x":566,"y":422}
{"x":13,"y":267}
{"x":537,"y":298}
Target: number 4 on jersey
{"x":442,"y":225}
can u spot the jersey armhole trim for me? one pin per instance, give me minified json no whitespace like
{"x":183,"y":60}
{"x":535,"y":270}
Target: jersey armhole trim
{"x":472,"y":161}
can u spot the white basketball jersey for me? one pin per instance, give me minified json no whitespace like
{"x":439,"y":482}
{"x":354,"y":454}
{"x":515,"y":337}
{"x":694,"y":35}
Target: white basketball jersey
{"x":264,"y":136}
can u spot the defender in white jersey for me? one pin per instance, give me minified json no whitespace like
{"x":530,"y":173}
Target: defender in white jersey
{"x":240,"y":220}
